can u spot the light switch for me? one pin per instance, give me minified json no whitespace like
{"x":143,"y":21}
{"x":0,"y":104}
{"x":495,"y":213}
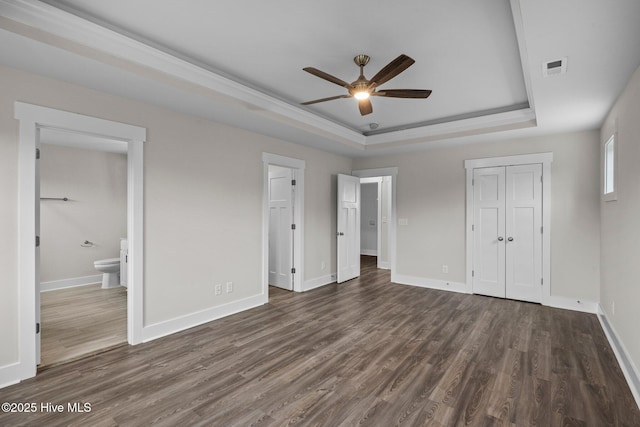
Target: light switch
{"x":403,"y":221}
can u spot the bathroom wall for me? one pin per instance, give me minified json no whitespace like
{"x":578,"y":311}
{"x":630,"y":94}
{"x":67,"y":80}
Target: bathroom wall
{"x":96,"y":184}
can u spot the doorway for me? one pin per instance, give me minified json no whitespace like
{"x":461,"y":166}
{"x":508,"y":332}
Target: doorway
{"x":282,"y":223}
{"x":508,"y":226}
{"x":375,"y":219}
{"x":33,"y":119}
{"x":83,"y":219}
{"x":378,"y":227}
{"x":282,"y":229}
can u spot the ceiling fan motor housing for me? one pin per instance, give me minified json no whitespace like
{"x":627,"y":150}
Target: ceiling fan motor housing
{"x":361,"y":60}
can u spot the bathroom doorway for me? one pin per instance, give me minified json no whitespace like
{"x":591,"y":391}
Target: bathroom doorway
{"x":33,"y":120}
{"x":83,"y":227}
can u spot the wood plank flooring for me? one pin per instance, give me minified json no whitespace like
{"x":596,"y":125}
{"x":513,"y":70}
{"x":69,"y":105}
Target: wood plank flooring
{"x":366,"y":352}
{"x":81,"y":321}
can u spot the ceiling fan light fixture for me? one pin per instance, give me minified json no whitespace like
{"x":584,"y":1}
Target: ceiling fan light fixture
{"x":361,"y":95}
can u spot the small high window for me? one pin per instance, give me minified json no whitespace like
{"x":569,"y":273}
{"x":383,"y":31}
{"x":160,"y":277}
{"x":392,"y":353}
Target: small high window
{"x":609,"y":169}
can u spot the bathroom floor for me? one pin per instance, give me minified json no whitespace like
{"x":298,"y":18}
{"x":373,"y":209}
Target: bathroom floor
{"x":81,"y":321}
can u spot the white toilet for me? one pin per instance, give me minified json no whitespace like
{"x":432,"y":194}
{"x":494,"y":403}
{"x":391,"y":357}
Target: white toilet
{"x":110,"y":269}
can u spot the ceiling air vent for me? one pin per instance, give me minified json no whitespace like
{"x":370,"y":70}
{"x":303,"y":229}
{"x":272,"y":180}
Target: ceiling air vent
{"x":555,"y":67}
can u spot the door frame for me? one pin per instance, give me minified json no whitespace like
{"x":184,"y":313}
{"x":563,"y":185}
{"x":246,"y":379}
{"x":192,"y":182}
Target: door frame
{"x":32,"y":118}
{"x":545,"y":159}
{"x":393,"y":173}
{"x":298,"y":167}
{"x":375,"y":180}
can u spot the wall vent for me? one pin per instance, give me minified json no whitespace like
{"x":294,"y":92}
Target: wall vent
{"x":554,"y":67}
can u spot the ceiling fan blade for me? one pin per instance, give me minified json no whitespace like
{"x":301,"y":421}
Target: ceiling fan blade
{"x":327,"y":77}
{"x":365,"y":107}
{"x":391,"y":70}
{"x":403,"y":93}
{"x":331,"y":98}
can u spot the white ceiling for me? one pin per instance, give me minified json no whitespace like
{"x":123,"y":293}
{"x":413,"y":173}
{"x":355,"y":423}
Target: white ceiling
{"x":241,"y":63}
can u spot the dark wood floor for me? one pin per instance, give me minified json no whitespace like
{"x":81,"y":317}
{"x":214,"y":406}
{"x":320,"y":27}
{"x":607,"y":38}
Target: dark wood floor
{"x":366,"y":352}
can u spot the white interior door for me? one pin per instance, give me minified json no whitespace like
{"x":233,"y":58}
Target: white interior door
{"x":523,"y":235}
{"x":37,"y":258}
{"x":280,"y":227}
{"x":348,"y":235}
{"x":488,"y":231}
{"x":507,"y":232}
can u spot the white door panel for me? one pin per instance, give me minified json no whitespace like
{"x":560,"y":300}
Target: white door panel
{"x":37,"y":258}
{"x":348,"y":235}
{"x":280,"y":232}
{"x":524,"y":232}
{"x":489,"y":273}
{"x":507,"y":248}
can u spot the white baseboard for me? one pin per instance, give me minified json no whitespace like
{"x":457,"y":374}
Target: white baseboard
{"x":318,"y":282}
{"x":10,"y":374}
{"x":629,"y":369}
{"x":384,"y":265}
{"x":369,"y":252}
{"x":431,"y":283}
{"x":178,"y":324}
{"x":70,"y":283}
{"x":571,"y":304}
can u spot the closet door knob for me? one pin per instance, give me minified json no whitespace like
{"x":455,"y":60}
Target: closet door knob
{"x":510,"y":239}
{"x":500,"y":239}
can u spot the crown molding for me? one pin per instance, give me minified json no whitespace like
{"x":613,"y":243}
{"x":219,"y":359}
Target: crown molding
{"x":40,"y":21}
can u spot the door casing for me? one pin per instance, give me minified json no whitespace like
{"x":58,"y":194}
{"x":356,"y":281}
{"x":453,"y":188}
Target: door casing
{"x":33,"y":118}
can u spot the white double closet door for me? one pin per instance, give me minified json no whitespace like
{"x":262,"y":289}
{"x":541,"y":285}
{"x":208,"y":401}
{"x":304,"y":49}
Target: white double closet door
{"x":507,"y":232}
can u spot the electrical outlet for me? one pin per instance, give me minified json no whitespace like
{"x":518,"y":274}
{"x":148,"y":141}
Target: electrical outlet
{"x":229,"y":287}
{"x":218,"y":289}
{"x":445,"y":268}
{"x":323,"y":265}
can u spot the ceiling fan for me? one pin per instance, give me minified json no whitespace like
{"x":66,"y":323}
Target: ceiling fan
{"x":362,"y":89}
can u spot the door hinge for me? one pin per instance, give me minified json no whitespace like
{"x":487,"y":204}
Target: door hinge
{"x":473,"y":227}
{"x":293,"y":226}
{"x":37,"y":241}
{"x":542,"y":281}
{"x":473,"y":182}
{"x":541,"y":229}
{"x":473,"y":273}
{"x":293,"y":270}
{"x":37,"y":328}
{"x":293,"y":182}
{"x":37,"y":153}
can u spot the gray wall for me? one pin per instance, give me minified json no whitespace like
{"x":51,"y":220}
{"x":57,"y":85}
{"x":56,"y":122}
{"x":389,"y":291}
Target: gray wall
{"x":431,"y":195}
{"x":203,"y":202}
{"x":620,"y":289}
{"x":96,"y":184}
